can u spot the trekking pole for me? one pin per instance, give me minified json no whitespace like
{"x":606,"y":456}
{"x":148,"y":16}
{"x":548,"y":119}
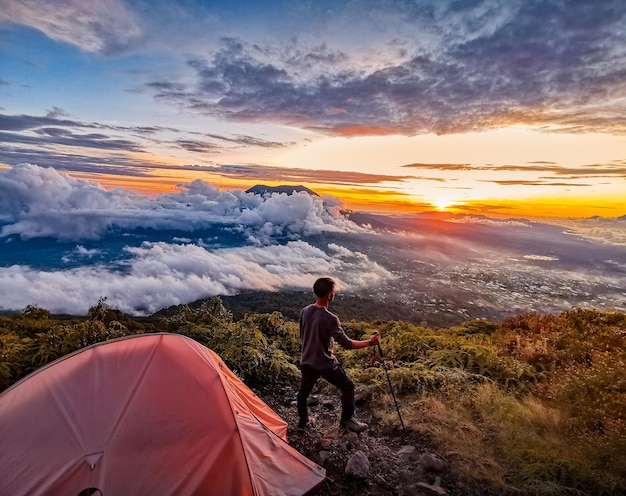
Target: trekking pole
{"x":393,"y":395}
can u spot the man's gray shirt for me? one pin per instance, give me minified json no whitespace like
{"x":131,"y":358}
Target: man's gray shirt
{"x":319,"y":329}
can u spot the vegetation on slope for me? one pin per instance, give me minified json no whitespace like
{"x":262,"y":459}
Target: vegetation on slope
{"x":531,"y":405}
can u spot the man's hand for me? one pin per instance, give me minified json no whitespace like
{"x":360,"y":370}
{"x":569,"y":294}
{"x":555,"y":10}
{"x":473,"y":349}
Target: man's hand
{"x":375,"y":339}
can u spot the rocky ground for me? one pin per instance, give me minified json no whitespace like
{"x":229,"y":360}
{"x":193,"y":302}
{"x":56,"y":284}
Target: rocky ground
{"x":384,"y":460}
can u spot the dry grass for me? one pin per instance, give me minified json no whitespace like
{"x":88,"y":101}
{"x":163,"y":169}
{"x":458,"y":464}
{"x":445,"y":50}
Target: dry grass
{"x":454,"y":429}
{"x":515,"y":444}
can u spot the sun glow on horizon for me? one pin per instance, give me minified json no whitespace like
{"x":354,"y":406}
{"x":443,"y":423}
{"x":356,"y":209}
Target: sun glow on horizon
{"x":371,"y":197}
{"x":442,"y":204}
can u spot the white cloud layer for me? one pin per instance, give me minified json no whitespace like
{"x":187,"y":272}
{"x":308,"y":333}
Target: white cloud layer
{"x":162,"y":274}
{"x":40,"y":202}
{"x":611,"y":231}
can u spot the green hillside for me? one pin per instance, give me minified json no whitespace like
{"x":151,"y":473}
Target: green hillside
{"x":534,"y":404}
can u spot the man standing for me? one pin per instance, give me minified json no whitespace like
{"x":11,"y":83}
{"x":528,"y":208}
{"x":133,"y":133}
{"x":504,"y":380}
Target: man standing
{"x":319,"y":329}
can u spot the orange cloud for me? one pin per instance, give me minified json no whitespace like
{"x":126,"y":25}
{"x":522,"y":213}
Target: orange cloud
{"x":359,"y":130}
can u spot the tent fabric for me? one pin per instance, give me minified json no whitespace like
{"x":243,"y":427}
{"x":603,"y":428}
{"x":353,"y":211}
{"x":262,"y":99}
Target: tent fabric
{"x":154,"y":414}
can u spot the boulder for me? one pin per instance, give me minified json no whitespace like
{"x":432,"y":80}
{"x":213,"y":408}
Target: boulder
{"x":408,"y":454}
{"x":429,"y":490}
{"x":323,"y":458}
{"x":358,"y":466}
{"x":432,"y":463}
{"x":361,"y":395}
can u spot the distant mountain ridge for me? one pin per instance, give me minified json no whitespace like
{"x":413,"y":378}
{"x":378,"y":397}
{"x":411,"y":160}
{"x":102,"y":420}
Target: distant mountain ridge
{"x":262,"y":189}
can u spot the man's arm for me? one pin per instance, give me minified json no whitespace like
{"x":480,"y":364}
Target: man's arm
{"x":351,"y":344}
{"x":373,"y":341}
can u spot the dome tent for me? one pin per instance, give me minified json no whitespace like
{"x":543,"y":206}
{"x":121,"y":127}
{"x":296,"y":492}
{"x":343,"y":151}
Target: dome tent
{"x":148,"y":414}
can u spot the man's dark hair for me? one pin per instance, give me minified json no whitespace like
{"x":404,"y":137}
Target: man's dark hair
{"x":323,"y":286}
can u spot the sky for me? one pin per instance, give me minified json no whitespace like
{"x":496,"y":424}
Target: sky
{"x":502,"y":108}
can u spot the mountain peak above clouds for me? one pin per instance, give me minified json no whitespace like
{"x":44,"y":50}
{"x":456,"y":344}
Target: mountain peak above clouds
{"x":262,"y":189}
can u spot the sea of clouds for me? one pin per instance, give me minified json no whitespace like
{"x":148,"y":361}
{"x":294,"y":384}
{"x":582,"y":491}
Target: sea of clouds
{"x":41,"y":202}
{"x":38,"y":202}
{"x":65,"y":243}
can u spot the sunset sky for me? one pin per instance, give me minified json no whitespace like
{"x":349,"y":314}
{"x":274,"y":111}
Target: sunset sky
{"x":506,"y":108}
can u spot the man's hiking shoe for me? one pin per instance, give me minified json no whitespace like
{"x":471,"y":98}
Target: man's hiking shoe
{"x":352,"y":425}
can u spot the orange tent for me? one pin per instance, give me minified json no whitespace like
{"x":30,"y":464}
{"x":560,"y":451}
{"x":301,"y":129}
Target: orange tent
{"x":154,"y":414}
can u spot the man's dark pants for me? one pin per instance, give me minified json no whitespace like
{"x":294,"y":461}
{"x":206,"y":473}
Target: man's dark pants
{"x":337,"y":377}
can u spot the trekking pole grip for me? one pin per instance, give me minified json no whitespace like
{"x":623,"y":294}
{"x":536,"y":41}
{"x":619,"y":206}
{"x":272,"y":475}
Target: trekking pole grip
{"x":380,"y":350}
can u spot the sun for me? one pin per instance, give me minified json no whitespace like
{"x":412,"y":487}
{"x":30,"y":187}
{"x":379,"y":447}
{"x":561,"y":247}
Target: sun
{"x":441,"y":204}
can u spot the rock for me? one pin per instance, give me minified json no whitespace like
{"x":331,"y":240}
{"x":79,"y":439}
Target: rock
{"x":361,"y":395}
{"x":328,"y":403}
{"x":432,"y":463}
{"x":352,"y":438}
{"x":409,"y":478}
{"x":312,"y":400}
{"x":429,"y":490}
{"x":358,"y":466}
{"x":408,"y":454}
{"x":380,"y":480}
{"x":323,"y":457}
{"x":324,"y":444}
